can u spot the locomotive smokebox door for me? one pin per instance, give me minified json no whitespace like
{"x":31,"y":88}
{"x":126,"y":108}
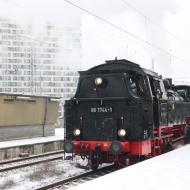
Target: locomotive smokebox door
{"x":101,"y":128}
{"x":107,"y":126}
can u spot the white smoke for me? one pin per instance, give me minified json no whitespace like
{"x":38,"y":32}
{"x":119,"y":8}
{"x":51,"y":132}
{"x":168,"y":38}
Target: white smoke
{"x":144,"y":19}
{"x":99,"y":40}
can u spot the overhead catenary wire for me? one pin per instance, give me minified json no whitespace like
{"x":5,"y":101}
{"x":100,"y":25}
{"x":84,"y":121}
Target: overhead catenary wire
{"x":155,"y":23}
{"x":121,"y":30}
{"x":12,"y":2}
{"x":126,"y":32}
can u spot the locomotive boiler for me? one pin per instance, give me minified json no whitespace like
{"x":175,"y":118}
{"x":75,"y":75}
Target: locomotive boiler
{"x":123,"y":113}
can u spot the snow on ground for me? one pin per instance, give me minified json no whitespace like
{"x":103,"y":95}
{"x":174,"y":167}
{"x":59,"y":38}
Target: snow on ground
{"x":170,"y":171}
{"x":34,"y":176}
{"x":31,"y":177}
{"x":59,"y":132}
{"x":36,"y":140}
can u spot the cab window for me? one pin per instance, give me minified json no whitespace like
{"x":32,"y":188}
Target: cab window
{"x":137,"y":85}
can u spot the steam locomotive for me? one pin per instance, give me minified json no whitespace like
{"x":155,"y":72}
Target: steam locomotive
{"x":124,"y":113}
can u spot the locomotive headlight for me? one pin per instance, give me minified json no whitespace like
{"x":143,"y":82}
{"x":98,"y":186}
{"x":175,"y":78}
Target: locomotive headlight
{"x":76,"y":132}
{"x":121,"y":132}
{"x":98,"y":81}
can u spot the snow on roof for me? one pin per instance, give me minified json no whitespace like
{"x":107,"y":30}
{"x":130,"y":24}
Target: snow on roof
{"x":170,"y":171}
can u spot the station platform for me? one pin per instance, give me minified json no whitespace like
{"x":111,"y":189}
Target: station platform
{"x":169,"y":171}
{"x":33,"y":146}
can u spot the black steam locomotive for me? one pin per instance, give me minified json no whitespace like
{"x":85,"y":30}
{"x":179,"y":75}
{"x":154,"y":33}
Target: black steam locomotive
{"x":123,"y":113}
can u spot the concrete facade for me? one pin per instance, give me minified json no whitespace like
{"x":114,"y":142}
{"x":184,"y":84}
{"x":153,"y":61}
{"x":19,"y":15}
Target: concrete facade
{"x":23,"y":132}
{"x":27,"y":116}
{"x":43,"y":63}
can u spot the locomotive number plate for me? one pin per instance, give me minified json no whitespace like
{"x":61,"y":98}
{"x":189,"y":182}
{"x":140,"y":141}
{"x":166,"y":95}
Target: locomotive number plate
{"x":101,"y":110}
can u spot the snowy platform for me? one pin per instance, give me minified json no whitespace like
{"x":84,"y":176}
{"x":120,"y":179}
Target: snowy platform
{"x":38,"y":145}
{"x":170,"y":171}
{"x":22,"y":142}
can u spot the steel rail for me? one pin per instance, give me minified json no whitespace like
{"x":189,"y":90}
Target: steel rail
{"x":31,"y":157}
{"x":85,"y":177}
{"x":30,"y":163}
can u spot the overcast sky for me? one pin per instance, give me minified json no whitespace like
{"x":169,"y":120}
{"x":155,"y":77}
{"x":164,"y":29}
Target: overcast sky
{"x":146,"y":24}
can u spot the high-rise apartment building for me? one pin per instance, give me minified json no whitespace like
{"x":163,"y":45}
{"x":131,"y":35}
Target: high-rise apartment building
{"x":39,"y":63}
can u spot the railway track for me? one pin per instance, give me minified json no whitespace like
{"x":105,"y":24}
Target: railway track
{"x":76,"y":180}
{"x":32,"y":160}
